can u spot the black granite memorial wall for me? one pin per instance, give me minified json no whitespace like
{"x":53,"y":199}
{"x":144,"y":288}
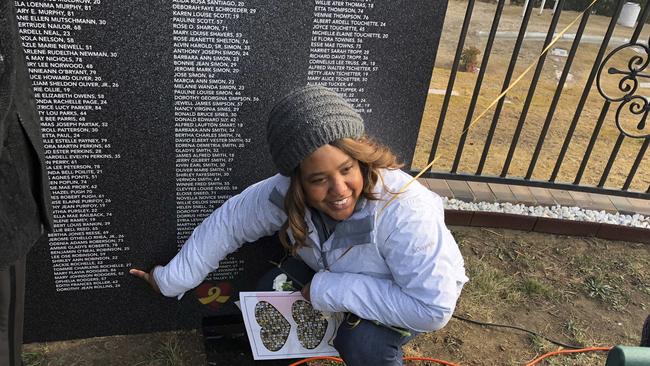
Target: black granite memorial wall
{"x":153,"y":115}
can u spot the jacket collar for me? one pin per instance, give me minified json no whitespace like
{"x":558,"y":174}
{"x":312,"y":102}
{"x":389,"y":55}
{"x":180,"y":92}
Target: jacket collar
{"x":355,"y":230}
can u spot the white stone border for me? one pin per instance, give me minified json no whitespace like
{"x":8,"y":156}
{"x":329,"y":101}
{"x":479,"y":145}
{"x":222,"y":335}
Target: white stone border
{"x":556,"y":212}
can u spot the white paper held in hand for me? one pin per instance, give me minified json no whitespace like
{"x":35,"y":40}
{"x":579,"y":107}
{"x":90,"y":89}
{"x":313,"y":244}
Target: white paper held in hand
{"x":284,"y":325}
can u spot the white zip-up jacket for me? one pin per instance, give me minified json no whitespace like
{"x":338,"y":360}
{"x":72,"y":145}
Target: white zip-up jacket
{"x":395,"y":263}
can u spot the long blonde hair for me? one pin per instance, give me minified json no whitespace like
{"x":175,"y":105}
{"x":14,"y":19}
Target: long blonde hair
{"x":371,"y":156}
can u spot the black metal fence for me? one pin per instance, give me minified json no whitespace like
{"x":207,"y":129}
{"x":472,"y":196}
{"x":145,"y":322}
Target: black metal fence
{"x":616,"y":162}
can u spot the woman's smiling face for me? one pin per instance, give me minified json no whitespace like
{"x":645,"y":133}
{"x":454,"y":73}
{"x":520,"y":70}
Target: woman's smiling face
{"x":332,"y":181}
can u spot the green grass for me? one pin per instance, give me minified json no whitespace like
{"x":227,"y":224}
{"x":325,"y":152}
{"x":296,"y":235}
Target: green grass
{"x":574,"y":331}
{"x":539,"y":344}
{"x":533,"y":287}
{"x":598,"y":289}
{"x":608,"y":290}
{"x":507,"y":254}
{"x":490,"y":284}
{"x":170,"y":353}
{"x":584,"y":263}
{"x":34,"y":359}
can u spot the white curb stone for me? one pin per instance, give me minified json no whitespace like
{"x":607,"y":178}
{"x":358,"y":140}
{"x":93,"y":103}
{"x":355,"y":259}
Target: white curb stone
{"x":556,"y":212}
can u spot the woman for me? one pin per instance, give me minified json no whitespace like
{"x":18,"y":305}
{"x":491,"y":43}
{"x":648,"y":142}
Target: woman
{"x":384,"y":258}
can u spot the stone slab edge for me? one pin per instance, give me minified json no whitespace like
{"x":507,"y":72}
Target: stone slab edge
{"x":546,"y":225}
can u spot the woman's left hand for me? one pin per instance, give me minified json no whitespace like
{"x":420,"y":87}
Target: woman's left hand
{"x":305,"y":291}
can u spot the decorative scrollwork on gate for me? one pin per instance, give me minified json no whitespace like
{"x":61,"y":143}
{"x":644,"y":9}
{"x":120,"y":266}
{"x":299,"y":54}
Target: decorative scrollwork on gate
{"x":633,"y":107}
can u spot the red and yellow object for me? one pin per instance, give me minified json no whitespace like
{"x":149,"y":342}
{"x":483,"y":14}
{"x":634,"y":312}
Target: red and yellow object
{"x":214,"y":295}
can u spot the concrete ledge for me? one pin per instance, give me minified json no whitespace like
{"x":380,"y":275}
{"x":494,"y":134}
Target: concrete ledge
{"x":546,"y":225}
{"x":503,"y":220}
{"x":458,"y":217}
{"x":566,"y":227}
{"x":628,"y":233}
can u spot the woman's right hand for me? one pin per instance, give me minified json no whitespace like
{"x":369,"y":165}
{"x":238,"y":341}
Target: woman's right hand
{"x":147,"y":276}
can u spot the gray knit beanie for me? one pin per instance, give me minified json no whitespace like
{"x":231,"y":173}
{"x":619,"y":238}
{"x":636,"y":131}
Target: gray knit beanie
{"x":306,"y":119}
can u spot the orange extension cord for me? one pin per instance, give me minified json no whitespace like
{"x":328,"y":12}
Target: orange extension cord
{"x":566,"y":351}
{"x":447,"y":363}
{"x":317,"y":358}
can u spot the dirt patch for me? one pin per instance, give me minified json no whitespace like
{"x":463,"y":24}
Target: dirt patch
{"x":576,"y":290}
{"x":514,"y":101}
{"x":182,"y":348}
